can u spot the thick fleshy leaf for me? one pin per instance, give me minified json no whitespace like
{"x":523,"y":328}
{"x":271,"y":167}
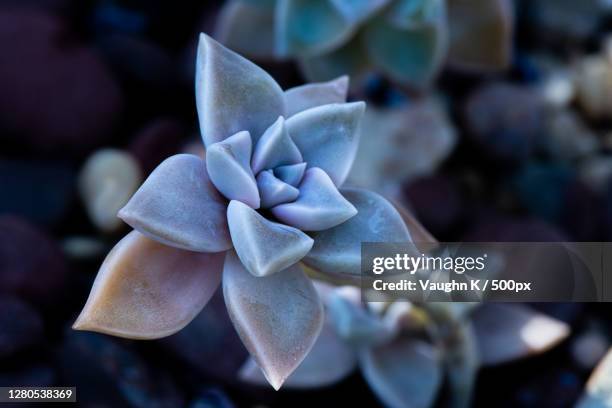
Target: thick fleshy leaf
{"x":229,"y":169}
{"x":409,"y":45}
{"x":292,"y":174}
{"x":274,"y":191}
{"x":404,"y":374}
{"x":264,"y":247}
{"x":247,"y":28}
{"x":350,"y":59}
{"x":278,"y":317}
{"x":480,"y":33}
{"x":358,"y":10}
{"x":233,"y":94}
{"x":275,"y":148}
{"x":328,"y":137}
{"x":355,"y":324}
{"x":598,"y":392}
{"x":506,"y":332}
{"x":146,"y":290}
{"x":462,"y":362}
{"x":320,"y":205}
{"x":329,"y":361}
{"x":179,"y":206}
{"x":309,"y":96}
{"x":337,"y":251}
{"x":309,"y":27}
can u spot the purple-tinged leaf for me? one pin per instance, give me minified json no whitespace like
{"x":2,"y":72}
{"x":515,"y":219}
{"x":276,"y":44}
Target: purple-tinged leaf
{"x":404,"y":374}
{"x":146,"y":290}
{"x":274,"y":191}
{"x":337,"y":251}
{"x":292,"y":174}
{"x":329,"y":361}
{"x":246,"y":28}
{"x":308,"y":96}
{"x":233,"y":94}
{"x":480,"y":34}
{"x":275,"y":148}
{"x":229,"y":169}
{"x":328,"y":137}
{"x":509,"y":332}
{"x":309,"y":27}
{"x":178,"y":206}
{"x":320,"y":205}
{"x":263,"y":246}
{"x":278,"y":317}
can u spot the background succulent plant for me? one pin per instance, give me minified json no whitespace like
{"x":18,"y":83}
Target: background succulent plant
{"x":407,"y":40}
{"x":199,"y":222}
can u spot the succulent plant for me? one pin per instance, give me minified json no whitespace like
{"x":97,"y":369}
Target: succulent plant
{"x":264,"y":201}
{"x":405,"y":350}
{"x":407,"y":40}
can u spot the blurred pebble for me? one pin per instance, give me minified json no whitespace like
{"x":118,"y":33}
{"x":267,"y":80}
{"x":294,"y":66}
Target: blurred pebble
{"x":20,"y":326}
{"x":596,"y":171}
{"x":107,"y":373}
{"x":589,"y":348}
{"x":158,"y":140}
{"x":199,"y":344}
{"x":567,"y":137}
{"x":79,"y":247}
{"x":108,"y":179}
{"x":31,"y":263}
{"x":41,"y":191}
{"x":594,"y":86}
{"x":72,"y":106}
{"x":505,"y":120}
{"x":436,"y":202}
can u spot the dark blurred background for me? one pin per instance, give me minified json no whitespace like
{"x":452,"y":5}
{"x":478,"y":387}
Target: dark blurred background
{"x":80,"y":77}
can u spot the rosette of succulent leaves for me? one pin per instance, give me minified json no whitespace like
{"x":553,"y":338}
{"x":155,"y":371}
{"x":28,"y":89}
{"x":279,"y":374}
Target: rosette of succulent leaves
{"x":406,"y":40}
{"x":407,"y":352}
{"x":265,"y":204}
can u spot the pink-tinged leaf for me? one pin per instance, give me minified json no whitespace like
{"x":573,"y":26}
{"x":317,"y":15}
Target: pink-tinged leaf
{"x":598,"y":392}
{"x":275,"y":148}
{"x":247,"y":29}
{"x":319,"y":206}
{"x":229,"y":168}
{"x":263,"y":246}
{"x":480,"y":34}
{"x":329,"y":361}
{"x":274,"y":191}
{"x":308,"y":96}
{"x":507,"y":332}
{"x":278,"y":317}
{"x":292,"y":174}
{"x":178,"y":206}
{"x":404,"y":374}
{"x":309,"y":27}
{"x":337,"y":251}
{"x":146,"y":290}
{"x":233,"y":94}
{"x":328,"y":137}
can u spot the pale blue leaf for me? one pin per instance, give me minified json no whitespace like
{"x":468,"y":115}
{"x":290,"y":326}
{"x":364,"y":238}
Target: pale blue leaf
{"x":291,"y":174}
{"x":274,"y":191}
{"x":275,"y":148}
{"x":311,"y":95}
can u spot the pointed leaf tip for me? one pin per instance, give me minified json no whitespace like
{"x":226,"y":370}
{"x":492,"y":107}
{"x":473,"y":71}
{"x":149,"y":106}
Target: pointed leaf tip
{"x":278,"y":317}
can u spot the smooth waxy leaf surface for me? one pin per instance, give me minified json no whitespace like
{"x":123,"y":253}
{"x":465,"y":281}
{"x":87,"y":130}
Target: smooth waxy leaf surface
{"x":291,"y":174}
{"x":263,"y":246}
{"x":228,"y":165}
{"x":275,"y":148}
{"x":308,"y":96}
{"x":319,"y":206}
{"x":233,"y":94}
{"x":179,"y":206}
{"x":328,"y":137}
{"x":146,"y":290}
{"x":274,"y":191}
{"x":278,"y":317}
